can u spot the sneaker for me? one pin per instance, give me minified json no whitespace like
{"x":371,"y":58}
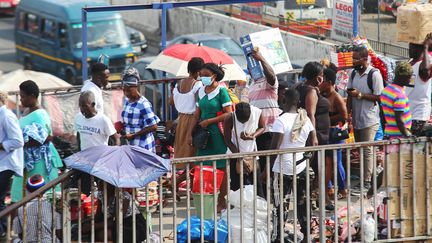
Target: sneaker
{"x":356,"y":191}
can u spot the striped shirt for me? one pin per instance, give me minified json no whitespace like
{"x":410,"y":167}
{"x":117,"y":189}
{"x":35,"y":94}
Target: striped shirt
{"x":32,"y":221}
{"x":393,"y":98}
{"x":265,"y":96}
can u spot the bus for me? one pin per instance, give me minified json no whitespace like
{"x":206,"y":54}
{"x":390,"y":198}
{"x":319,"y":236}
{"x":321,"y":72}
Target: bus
{"x":48,"y":38}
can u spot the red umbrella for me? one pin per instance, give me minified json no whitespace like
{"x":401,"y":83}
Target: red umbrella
{"x":175,"y":58}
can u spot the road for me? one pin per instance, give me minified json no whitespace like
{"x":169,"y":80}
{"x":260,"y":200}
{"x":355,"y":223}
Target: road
{"x":7,"y":45}
{"x":368,"y":27}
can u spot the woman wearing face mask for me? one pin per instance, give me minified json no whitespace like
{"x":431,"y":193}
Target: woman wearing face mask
{"x":316,"y":106}
{"x":212,"y":99}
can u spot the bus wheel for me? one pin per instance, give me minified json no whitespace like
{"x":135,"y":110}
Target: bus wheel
{"x":28,"y":64}
{"x":70,"y":78}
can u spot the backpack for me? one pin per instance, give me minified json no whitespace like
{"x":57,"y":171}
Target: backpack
{"x":369,"y":78}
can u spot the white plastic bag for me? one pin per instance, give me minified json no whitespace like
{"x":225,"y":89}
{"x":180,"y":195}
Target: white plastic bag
{"x":369,"y":228}
{"x":248,"y":195}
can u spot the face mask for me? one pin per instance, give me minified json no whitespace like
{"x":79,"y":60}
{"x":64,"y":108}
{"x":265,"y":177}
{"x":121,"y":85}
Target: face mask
{"x":358,"y":67}
{"x":207,"y":81}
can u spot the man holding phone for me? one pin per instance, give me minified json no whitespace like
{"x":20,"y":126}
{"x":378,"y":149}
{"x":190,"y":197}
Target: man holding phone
{"x":363,"y":105}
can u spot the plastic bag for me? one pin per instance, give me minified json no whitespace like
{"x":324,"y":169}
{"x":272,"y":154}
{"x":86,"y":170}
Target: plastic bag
{"x":195,"y":229}
{"x":368,"y":228}
{"x":222,"y":229}
{"x":248,"y":235}
{"x":248,"y":195}
{"x":248,"y":215}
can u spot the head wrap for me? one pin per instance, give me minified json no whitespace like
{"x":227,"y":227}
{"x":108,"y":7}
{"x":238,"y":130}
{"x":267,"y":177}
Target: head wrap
{"x":131,"y":77}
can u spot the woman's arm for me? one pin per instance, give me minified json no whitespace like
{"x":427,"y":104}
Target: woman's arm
{"x":311,"y":104}
{"x":342,"y":113}
{"x":228,"y":127}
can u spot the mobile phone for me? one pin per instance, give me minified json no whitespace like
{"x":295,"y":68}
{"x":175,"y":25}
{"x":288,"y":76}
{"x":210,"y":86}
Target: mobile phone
{"x":350,"y":89}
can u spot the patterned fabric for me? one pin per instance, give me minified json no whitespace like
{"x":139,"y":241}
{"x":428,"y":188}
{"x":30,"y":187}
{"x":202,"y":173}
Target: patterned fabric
{"x":33,"y":154}
{"x":137,"y":116}
{"x":111,"y":204}
{"x":32,"y":209}
{"x":393,"y":98}
{"x":265,"y":96}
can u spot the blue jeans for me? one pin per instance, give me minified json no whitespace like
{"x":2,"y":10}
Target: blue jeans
{"x":5,"y":177}
{"x":341,"y":175}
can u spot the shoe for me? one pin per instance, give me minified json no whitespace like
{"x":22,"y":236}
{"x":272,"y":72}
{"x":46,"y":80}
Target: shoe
{"x":357,"y":192}
{"x":330,"y":207}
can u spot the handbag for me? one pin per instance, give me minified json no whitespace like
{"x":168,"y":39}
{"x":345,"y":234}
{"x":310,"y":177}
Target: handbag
{"x":200,"y":137}
{"x":248,"y":161}
{"x":337,"y":134}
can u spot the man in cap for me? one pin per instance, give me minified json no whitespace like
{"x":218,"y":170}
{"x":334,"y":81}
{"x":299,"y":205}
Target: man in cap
{"x":396,"y":105}
{"x":32,"y":208}
{"x":138,"y":117}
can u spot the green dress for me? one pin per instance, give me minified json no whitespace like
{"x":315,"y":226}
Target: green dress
{"x":40,"y":117}
{"x":210,"y":104}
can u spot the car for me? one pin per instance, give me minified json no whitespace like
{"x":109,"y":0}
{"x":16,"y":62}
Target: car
{"x":150,"y":74}
{"x":8,"y":6}
{"x":137,"y":39}
{"x":214,"y":40}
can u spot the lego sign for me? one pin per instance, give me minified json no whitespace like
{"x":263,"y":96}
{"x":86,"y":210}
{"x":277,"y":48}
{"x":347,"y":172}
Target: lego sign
{"x":342,"y":26}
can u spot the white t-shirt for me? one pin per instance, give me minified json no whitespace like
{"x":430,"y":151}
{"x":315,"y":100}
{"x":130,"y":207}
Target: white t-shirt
{"x":419,"y":96}
{"x":284,"y":125}
{"x":90,"y":86}
{"x":248,"y":127}
{"x":94,"y":131}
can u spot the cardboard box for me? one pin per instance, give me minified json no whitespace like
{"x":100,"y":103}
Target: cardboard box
{"x":400,"y":205}
{"x":254,"y":67}
{"x":392,"y":169}
{"x":405,"y":228}
{"x":414,"y":22}
{"x":271,"y":46}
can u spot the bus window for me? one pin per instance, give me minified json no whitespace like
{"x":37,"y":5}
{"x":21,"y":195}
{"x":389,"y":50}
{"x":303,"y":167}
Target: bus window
{"x":22,"y":21}
{"x":272,"y":4}
{"x":49,"y":29}
{"x":32,"y":23}
{"x":62,"y":35}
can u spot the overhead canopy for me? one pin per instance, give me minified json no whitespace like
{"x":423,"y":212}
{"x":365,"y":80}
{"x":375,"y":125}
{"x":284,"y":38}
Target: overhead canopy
{"x":10,"y":82}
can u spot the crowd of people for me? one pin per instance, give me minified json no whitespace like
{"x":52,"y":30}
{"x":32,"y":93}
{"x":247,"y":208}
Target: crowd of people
{"x":270,"y":116}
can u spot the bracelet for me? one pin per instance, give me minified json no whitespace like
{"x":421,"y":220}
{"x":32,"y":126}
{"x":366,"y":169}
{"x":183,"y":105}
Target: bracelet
{"x":359,"y":96}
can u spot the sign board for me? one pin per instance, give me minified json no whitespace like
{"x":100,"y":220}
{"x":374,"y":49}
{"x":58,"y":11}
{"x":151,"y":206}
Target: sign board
{"x":342,"y":26}
{"x":271,"y":46}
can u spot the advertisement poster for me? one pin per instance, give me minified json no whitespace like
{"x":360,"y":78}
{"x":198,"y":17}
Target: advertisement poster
{"x":272,"y":47}
{"x":342,"y":27}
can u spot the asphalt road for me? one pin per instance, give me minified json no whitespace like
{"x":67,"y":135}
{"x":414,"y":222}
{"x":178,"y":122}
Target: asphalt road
{"x":368,"y":27}
{"x":7,"y":45}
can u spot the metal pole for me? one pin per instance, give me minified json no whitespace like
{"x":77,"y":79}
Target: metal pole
{"x":164,"y":30}
{"x":379,"y":23}
{"x":84,"y":45}
{"x":355,"y":18}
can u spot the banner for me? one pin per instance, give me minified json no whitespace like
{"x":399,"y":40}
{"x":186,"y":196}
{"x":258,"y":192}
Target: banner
{"x":342,"y":25}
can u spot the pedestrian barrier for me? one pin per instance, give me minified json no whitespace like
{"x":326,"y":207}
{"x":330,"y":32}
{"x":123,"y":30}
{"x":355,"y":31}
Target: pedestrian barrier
{"x":395,"y":209}
{"x":389,"y":49}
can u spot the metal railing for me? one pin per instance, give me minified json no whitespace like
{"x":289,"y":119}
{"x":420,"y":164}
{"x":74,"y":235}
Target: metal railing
{"x":399,"y":203}
{"x":389,"y":49}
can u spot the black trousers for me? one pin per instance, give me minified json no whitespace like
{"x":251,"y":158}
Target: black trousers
{"x":247,"y":179}
{"x":5,"y":177}
{"x":284,"y":200}
{"x":263,"y":143}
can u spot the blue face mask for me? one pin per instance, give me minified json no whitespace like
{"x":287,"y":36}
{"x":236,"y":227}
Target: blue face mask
{"x":207,"y":81}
